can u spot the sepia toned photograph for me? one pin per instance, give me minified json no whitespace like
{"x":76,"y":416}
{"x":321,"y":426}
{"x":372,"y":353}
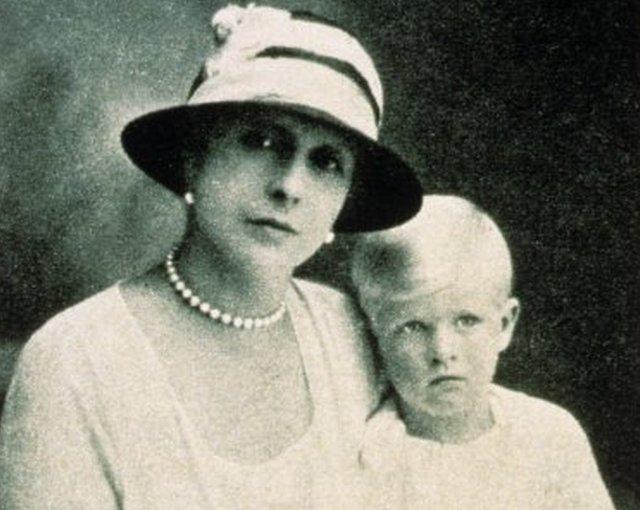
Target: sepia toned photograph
{"x":335,"y":254}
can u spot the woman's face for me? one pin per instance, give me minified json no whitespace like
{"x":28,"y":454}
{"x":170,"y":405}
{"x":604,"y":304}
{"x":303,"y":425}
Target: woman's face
{"x":271,"y":187}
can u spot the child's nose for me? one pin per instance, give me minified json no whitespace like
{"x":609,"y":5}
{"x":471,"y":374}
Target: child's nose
{"x":444,"y":349}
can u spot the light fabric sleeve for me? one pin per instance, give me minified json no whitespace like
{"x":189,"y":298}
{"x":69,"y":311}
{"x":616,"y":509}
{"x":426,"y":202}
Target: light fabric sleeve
{"x":580,"y":484}
{"x":556,"y":450}
{"x":52,"y":452}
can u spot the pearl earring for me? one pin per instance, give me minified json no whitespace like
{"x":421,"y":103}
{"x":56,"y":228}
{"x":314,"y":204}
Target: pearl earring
{"x":188,"y":198}
{"x":330,"y":238}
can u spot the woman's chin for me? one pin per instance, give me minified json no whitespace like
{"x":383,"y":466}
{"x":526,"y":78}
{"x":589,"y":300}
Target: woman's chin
{"x":272,"y":259}
{"x":286,"y":255}
{"x":263,"y":248}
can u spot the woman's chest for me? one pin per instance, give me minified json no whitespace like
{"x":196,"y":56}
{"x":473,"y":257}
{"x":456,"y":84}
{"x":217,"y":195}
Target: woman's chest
{"x":247,"y":405}
{"x":223,"y":434}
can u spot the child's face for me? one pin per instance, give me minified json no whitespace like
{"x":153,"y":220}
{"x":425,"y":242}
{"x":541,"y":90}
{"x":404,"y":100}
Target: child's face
{"x":440,"y":347}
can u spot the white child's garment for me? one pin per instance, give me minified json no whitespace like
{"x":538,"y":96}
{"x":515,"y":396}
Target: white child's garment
{"x":92,"y":422}
{"x":535,"y":457}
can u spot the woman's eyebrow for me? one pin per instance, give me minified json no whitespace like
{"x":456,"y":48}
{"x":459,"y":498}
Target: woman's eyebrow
{"x":268,"y":124}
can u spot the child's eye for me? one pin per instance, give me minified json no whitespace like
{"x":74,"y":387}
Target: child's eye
{"x":411,"y":327}
{"x":467,"y":321}
{"x":327,"y":159}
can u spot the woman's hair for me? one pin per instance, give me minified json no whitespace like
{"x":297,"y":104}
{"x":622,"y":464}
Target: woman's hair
{"x":201,"y":141}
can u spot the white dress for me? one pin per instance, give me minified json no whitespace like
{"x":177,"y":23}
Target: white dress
{"x":91,"y":420}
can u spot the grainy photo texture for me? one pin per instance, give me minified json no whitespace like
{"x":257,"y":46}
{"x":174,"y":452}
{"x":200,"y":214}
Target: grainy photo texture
{"x":232,"y":293}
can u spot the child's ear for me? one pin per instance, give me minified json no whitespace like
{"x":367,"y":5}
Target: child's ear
{"x":508,"y":320}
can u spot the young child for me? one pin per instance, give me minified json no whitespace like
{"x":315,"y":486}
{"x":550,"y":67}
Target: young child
{"x":437,"y":292}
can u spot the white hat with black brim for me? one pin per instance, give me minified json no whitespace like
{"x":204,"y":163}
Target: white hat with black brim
{"x":272,"y":58}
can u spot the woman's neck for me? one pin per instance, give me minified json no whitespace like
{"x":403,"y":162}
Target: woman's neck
{"x":456,"y":428}
{"x":231,"y":285}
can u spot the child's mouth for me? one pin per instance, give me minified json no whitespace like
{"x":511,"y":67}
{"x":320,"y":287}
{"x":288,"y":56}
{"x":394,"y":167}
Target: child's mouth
{"x":446,"y":379}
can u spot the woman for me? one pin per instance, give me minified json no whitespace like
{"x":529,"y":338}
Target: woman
{"x":215,"y":380}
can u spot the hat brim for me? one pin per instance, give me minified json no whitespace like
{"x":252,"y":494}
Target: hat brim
{"x":385,"y":191}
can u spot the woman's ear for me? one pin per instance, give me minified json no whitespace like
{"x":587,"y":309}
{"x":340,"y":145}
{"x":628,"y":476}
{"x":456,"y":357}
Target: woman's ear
{"x":508,"y":321}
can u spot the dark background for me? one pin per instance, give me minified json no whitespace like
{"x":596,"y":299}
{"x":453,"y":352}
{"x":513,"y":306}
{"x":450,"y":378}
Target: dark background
{"x":528,"y":107}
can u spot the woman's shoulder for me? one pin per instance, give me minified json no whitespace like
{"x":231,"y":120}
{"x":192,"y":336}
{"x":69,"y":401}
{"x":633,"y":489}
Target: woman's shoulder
{"x":81,"y":334}
{"x":327,"y":299}
{"x":92,"y":317}
{"x":320,"y":291}
{"x":346,"y":339}
{"x":337,"y":313}
{"x":103,"y":305}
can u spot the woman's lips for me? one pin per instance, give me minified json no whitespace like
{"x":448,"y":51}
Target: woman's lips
{"x":273,"y":223}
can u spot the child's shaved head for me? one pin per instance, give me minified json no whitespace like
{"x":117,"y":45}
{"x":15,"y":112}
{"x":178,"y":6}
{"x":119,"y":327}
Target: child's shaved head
{"x":450,"y":241}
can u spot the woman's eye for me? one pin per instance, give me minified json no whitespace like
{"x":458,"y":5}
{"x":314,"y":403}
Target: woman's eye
{"x":327,"y":159}
{"x":467,"y":321}
{"x":257,"y":139}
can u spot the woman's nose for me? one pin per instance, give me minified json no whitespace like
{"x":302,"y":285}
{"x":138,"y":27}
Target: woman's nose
{"x":287,"y":184}
{"x":444,"y":348}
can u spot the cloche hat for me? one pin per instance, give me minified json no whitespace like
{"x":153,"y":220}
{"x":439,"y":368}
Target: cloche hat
{"x":272,"y":58}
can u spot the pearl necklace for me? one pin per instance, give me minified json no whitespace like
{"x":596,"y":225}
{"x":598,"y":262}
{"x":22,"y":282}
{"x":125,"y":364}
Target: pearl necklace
{"x":215,"y":313}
